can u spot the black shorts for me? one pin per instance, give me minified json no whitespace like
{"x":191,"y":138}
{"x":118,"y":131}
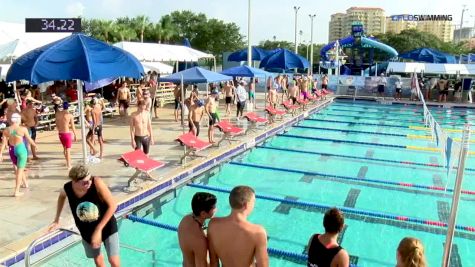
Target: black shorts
{"x":380,"y":88}
{"x":241,"y":105}
{"x":324,"y":86}
{"x":98,"y":130}
{"x":142,"y":141}
{"x":213,"y":119}
{"x":177,"y":104}
{"x":444,"y":92}
{"x":228,"y":99}
{"x":32,"y":132}
{"x":124,"y":104}
{"x":398,"y":90}
{"x":197,"y":126}
{"x":294,"y":99}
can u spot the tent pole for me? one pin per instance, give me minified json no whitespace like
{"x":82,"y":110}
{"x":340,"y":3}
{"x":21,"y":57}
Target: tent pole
{"x":16,"y":96}
{"x":182,"y":115}
{"x":214,"y":60}
{"x":81,"y":121}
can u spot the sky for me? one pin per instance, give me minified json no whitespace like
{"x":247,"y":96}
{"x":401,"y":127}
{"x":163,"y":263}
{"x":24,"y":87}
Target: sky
{"x":269,"y":17}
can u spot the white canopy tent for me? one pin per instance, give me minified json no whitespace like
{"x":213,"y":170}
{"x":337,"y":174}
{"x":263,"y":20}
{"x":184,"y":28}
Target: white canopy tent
{"x":159,"y":67}
{"x":3,"y":71}
{"x":14,"y":42}
{"x":162,"y":52}
{"x":431,"y":68}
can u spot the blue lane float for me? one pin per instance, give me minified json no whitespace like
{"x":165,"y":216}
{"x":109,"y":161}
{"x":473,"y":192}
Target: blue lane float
{"x":344,"y":209}
{"x":358,"y":123}
{"x":348,"y":131}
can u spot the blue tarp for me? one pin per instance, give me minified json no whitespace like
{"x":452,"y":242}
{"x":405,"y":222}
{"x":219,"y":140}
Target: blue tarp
{"x":241,"y":55}
{"x":245,"y":71}
{"x":428,"y":55}
{"x":196,"y":75}
{"x":284,"y":59}
{"x":366,"y":42}
{"x":75,"y":57}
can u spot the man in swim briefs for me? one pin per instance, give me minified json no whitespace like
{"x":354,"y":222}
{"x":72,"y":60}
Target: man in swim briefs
{"x":210,"y":110}
{"x":195,"y":115}
{"x":30,"y":120}
{"x":141,"y":135}
{"x":124,"y":99}
{"x":66,"y":131}
{"x":228,"y":91}
{"x":97,"y":126}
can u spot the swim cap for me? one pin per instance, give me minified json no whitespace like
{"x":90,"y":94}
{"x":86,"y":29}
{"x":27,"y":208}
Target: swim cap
{"x":200,"y":103}
{"x":65,"y":105}
{"x":16,"y":118}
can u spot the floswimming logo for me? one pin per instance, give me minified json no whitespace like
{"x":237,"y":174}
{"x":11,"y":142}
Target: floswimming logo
{"x":421,"y":17}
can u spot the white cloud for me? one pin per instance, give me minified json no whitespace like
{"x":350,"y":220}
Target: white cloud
{"x":75,"y":9}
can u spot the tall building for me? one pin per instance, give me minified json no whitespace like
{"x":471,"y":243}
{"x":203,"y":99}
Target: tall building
{"x":397,"y":26}
{"x":442,"y":29}
{"x":372,"y":18}
{"x":336,"y":26}
{"x":467,"y":34}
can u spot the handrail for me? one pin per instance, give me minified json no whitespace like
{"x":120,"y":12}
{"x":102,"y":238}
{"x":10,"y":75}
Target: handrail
{"x":41,"y":238}
{"x":48,"y":235}
{"x":151,"y":251}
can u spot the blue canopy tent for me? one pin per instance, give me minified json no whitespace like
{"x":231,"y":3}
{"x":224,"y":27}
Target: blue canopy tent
{"x":257,"y":54}
{"x":284,"y":59}
{"x":191,"y":76}
{"x":76,"y":57}
{"x":428,"y":55}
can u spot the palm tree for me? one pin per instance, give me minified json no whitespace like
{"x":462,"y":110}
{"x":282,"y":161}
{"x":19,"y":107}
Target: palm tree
{"x":126,"y":33}
{"x":156,"y":29}
{"x":139,"y":24}
{"x":107,"y":27}
{"x":167,"y":29}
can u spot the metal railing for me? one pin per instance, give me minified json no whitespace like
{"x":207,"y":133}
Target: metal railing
{"x":49,"y":235}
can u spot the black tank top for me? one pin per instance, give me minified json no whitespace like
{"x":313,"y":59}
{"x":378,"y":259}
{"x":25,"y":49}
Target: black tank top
{"x":319,"y":255}
{"x":88,"y":211}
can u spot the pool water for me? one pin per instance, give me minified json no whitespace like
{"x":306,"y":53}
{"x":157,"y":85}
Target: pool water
{"x":327,"y":175}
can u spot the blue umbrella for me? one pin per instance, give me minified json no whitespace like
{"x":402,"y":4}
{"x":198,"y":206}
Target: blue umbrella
{"x":195,"y":75}
{"x":241,"y":55}
{"x":428,"y":55}
{"x":75,"y":57}
{"x":245,"y":71}
{"x":284,"y":59}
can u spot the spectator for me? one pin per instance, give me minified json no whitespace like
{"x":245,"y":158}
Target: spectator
{"x":323,"y":249}
{"x":410,"y":253}
{"x":191,"y":235}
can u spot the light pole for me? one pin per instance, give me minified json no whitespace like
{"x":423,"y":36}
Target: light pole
{"x":300,"y":38}
{"x":461,"y":22}
{"x":296,"y":9}
{"x":249,"y":48}
{"x":311,"y":42}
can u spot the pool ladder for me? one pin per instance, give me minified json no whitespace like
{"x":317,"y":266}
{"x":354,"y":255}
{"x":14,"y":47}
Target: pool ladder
{"x":45,"y":237}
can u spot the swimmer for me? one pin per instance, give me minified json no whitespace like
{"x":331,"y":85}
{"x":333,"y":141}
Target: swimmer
{"x":13,"y":136}
{"x":65,"y":125}
{"x":141,"y":135}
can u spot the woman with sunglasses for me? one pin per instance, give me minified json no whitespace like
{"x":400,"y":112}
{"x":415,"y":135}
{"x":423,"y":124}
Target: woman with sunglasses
{"x":92,"y":207}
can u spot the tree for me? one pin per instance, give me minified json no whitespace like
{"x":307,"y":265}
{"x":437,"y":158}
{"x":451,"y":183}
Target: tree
{"x":139,"y":24}
{"x":270,"y":45}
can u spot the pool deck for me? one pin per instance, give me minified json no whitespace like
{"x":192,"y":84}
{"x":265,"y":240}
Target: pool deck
{"x":26,"y":218}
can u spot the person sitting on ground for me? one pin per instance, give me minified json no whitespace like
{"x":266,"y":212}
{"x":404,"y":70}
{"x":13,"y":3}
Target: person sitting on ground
{"x":232,"y":239}
{"x":195,"y":115}
{"x":92,"y":206}
{"x":323,"y":249}
{"x":410,"y":253}
{"x":191,"y":230}
{"x":141,"y":135}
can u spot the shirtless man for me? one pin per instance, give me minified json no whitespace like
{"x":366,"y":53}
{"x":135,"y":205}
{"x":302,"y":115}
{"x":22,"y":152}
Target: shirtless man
{"x":30,"y":120}
{"x":89,"y":124}
{"x":210,"y":108}
{"x":177,"y":94}
{"x":140,"y":90}
{"x":191,"y":235}
{"x":293,"y":92}
{"x":65,"y":125}
{"x":232,"y":239}
{"x":148,"y":101}
{"x":304,"y":87}
{"x":228,"y":91}
{"x":195,"y":116}
{"x":272,"y":97}
{"x":123,"y":98}
{"x":141,"y":135}
{"x":97,"y":126}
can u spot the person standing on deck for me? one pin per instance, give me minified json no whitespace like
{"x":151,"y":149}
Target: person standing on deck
{"x":141,"y":135}
{"x":30,"y":120}
{"x":66,"y":131}
{"x":123,"y":99}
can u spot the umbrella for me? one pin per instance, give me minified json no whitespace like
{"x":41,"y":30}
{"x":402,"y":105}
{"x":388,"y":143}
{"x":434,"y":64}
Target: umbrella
{"x":428,"y":55}
{"x":245,"y":71}
{"x":75,"y":57}
{"x":195,"y":75}
{"x":284,"y":59}
{"x":241,"y":55}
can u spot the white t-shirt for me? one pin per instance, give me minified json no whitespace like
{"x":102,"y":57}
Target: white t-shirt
{"x":241,"y":93}
{"x":382,"y":81}
{"x":398,"y":84}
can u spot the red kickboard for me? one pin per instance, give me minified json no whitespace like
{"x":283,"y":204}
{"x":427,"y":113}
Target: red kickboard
{"x":137,"y":159}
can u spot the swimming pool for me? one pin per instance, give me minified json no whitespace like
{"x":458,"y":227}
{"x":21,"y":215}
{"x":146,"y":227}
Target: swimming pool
{"x":326,"y":160}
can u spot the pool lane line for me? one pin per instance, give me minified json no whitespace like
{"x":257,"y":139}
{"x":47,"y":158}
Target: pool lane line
{"x":344,"y":209}
{"x":361,"y":158}
{"x":408,"y":136}
{"x":436,"y":110}
{"x":272,"y":251}
{"x":400,"y":112}
{"x":358,"y":123}
{"x":418,"y":148}
{"x":354,"y":179}
{"x":389,"y":118}
{"x":423,"y":128}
